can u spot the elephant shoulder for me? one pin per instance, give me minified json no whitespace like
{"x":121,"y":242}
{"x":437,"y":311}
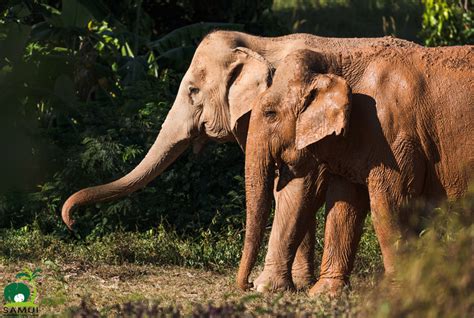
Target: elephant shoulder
{"x":394,"y":79}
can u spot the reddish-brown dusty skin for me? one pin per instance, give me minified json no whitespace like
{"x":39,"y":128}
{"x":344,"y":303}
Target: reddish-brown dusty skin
{"x":393,"y":122}
{"x":228,"y":71}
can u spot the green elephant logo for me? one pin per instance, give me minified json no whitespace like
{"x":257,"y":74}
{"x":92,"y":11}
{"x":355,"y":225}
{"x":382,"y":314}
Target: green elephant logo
{"x":18,"y":294}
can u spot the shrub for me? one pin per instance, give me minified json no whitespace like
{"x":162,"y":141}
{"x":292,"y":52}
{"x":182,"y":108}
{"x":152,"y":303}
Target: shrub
{"x":437,"y":273}
{"x":447,"y":22}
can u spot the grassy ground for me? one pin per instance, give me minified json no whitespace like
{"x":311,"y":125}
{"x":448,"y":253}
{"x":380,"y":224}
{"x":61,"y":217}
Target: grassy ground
{"x":161,"y":274}
{"x":75,"y":289}
{"x":129,"y":272}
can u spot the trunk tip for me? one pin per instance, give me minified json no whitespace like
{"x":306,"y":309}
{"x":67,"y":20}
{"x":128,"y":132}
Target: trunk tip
{"x":67,"y":211}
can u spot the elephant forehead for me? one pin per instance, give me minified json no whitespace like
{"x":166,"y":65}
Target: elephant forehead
{"x":199,"y":72}
{"x":292,"y":82}
{"x":291,"y":71}
{"x":299,"y":63}
{"x":206,"y":62}
{"x":270,"y":98}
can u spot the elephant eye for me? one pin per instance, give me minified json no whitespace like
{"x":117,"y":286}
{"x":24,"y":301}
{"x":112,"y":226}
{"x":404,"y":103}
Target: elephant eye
{"x":193,"y":90}
{"x":270,"y":114}
{"x":193,"y":95}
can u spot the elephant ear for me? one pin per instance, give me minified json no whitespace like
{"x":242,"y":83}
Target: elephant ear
{"x":326,"y":109}
{"x":249,"y":75}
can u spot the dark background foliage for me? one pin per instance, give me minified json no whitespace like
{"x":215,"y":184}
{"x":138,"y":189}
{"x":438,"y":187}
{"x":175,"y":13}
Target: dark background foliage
{"x":86,"y":84}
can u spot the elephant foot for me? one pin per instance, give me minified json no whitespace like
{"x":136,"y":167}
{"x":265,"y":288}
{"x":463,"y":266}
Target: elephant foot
{"x":302,"y":279}
{"x":270,"y":282}
{"x":328,"y":287}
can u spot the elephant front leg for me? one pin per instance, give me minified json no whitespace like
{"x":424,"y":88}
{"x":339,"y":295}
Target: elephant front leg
{"x":347,"y":206}
{"x":303,"y":269}
{"x":292,"y":233}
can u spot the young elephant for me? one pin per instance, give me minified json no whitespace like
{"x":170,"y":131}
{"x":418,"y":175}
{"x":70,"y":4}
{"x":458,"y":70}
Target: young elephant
{"x":396,"y":125}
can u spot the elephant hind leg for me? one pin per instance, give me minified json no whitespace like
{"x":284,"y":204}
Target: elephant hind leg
{"x":392,"y":200}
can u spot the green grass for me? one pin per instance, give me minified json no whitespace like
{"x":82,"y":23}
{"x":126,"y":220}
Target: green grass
{"x":158,"y":246}
{"x":213,"y":248}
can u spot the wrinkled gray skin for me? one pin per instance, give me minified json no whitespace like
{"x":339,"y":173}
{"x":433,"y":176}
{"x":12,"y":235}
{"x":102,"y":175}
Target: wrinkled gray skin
{"x":398,"y":130}
{"x":228,"y":71}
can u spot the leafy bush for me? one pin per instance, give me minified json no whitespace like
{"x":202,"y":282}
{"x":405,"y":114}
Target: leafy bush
{"x":447,"y":22}
{"x":437,"y":276}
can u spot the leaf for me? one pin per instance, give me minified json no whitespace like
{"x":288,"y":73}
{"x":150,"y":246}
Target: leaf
{"x":133,"y":69}
{"x":74,"y":14}
{"x":20,"y":275}
{"x":14,"y":44}
{"x":41,"y":31}
{"x":28,"y":271}
{"x":189,"y":35}
{"x":177,"y":58}
{"x":96,"y":8}
{"x":175,"y":49}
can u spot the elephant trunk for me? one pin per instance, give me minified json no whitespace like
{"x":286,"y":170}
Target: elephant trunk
{"x":172,"y":140}
{"x":259,"y":180}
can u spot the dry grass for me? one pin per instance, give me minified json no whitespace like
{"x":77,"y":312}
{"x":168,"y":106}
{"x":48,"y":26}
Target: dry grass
{"x":112,"y":289}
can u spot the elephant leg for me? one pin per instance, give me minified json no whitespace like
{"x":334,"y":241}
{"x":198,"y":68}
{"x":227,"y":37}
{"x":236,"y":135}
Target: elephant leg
{"x":387,"y":228}
{"x":347,"y":205}
{"x":296,"y":204}
{"x":303,"y":269}
{"x":391,"y":193}
{"x":303,"y":266}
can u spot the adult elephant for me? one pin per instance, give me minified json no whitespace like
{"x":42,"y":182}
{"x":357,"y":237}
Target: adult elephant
{"x":228,"y":71}
{"x":395,"y":122}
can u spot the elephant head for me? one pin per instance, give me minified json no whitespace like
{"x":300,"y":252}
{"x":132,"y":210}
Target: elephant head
{"x":217,"y":90}
{"x":304,"y":105}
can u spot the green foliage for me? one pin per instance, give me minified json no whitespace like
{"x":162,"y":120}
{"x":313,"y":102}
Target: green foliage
{"x":96,"y":95}
{"x":179,"y":45}
{"x":217,"y":246}
{"x":215,"y":249}
{"x":437,"y":277}
{"x":345,"y":18}
{"x":368,"y":258}
{"x":29,"y":275}
{"x":447,"y":22}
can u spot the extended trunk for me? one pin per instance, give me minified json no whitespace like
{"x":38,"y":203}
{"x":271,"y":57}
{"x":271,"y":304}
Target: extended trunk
{"x":259,"y":179}
{"x":172,"y":140}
